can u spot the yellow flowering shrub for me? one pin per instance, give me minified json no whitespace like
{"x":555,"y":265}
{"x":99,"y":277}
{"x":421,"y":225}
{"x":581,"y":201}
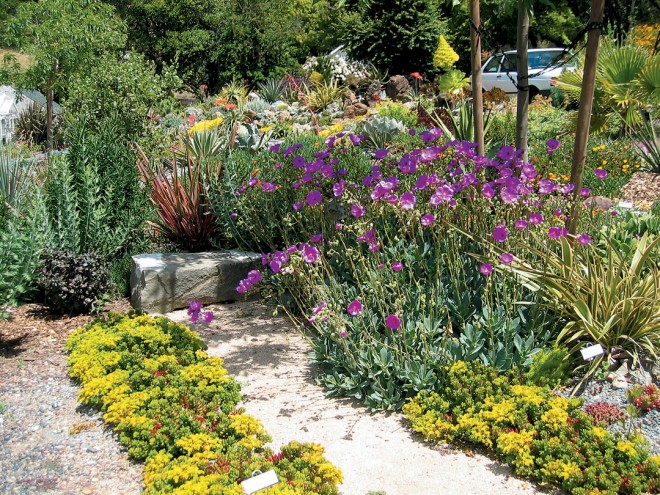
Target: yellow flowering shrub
{"x":175,"y":407}
{"x":206,"y":125}
{"x":540,"y":435}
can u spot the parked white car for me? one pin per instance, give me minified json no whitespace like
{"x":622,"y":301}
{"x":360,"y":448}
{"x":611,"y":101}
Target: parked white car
{"x":500,"y":70}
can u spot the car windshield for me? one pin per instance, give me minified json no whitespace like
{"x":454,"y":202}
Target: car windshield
{"x":539,"y":60}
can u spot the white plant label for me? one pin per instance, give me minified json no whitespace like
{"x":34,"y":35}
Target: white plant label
{"x":588,"y":353}
{"x":260,"y":482}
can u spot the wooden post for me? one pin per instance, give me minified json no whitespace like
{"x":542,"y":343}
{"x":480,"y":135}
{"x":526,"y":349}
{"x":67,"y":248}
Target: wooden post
{"x":522,"y":107}
{"x":477,"y":96}
{"x":586,"y":104}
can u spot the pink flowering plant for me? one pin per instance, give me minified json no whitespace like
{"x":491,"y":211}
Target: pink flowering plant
{"x":375,"y":254}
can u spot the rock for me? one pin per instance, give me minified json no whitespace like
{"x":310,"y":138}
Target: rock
{"x":620,"y":383}
{"x":655,"y":371}
{"x":165,"y":282}
{"x":618,"y":377}
{"x":352,"y":111}
{"x":641,"y":377}
{"x":196,"y":112}
{"x":600,"y":202}
{"x":397,"y":87}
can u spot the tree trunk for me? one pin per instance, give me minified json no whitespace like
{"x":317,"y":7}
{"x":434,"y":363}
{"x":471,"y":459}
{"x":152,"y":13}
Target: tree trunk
{"x":523,"y":82}
{"x":477,"y":96}
{"x":584,"y":114}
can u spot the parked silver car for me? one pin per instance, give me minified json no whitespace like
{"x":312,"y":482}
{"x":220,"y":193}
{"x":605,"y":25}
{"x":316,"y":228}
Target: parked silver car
{"x":545,"y":64}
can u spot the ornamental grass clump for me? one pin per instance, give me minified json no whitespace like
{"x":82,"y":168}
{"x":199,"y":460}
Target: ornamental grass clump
{"x":347,"y":216}
{"x":174,"y":407}
{"x":542,"y":436}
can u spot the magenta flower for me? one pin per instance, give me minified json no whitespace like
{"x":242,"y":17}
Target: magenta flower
{"x":552,"y":145}
{"x":486,"y":269}
{"x":253,"y":182}
{"x":506,"y":153}
{"x":601,"y":173}
{"x":338,"y":188}
{"x":276,"y":266}
{"x":314,"y":198}
{"x":254,"y":276}
{"x":321,"y":306}
{"x":500,"y":233}
{"x":585,"y":192}
{"x":207,"y":316}
{"x":506,"y":258}
{"x":509,"y":196}
{"x":342,"y":332}
{"x":310,"y":254}
{"x":584,"y":239}
{"x":355,"y":308}
{"x":380,"y":154}
{"x":567,"y":188}
{"x":393,"y":322}
{"x":357,"y":210}
{"x":316,"y":238}
{"x":195,"y":306}
{"x":397,"y":266}
{"x":268,"y":186}
{"x":427,"y":220}
{"x":408,"y":201}
{"x":557,"y":232}
{"x":298,"y":205}
{"x":338,"y":226}
{"x":520,"y":224}
{"x":535,"y":218}
{"x":194,"y":318}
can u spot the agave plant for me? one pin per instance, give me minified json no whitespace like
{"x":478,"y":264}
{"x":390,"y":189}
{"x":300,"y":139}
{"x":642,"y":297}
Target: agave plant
{"x":627,"y":81}
{"x":319,"y":96}
{"x":462,"y":122}
{"x":273,"y":90}
{"x":380,"y":131}
{"x":647,"y":145}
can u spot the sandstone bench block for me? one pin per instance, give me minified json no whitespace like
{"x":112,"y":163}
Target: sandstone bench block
{"x":165,"y":282}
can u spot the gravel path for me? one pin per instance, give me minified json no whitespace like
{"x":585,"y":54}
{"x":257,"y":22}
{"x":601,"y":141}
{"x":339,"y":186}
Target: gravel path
{"x":376,"y":452}
{"x":48,"y":443}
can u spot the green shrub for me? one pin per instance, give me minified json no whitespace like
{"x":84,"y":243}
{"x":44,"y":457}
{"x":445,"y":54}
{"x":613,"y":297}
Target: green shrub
{"x":71,"y":283}
{"x":541,"y":436}
{"x":397,"y":111}
{"x":550,"y":368}
{"x":175,"y":407}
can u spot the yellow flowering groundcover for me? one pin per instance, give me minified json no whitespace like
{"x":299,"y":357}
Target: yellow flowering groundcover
{"x":174,"y":407}
{"x":542,"y":436}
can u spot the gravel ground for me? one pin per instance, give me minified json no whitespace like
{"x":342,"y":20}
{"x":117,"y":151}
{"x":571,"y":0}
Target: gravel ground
{"x":648,"y":424}
{"x":48,"y":443}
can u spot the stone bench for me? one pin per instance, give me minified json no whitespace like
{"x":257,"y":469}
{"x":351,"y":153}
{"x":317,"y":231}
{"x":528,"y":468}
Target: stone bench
{"x":164,"y":282}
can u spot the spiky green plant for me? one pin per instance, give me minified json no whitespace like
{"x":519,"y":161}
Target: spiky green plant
{"x":272,"y":90}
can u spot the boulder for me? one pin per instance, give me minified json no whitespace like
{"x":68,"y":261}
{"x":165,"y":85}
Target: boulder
{"x":165,"y":282}
{"x":397,"y":87}
{"x":352,"y":111}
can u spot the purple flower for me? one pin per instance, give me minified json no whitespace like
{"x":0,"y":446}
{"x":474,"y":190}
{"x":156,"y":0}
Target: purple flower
{"x":567,"y":188}
{"x":268,"y":187}
{"x":321,"y":306}
{"x":552,"y":145}
{"x":275,"y":265}
{"x":380,"y":154}
{"x":584,"y":239}
{"x":397,"y":266}
{"x":310,"y":254}
{"x":253,"y":182}
{"x":535,"y":218}
{"x":547,"y":186}
{"x":274,"y":148}
{"x":233,"y":215}
{"x":207,"y":316}
{"x":314,"y":198}
{"x":408,"y":201}
{"x":520,"y":224}
{"x":506,"y":153}
{"x":500,"y":233}
{"x":194,"y":318}
{"x":195,"y":306}
{"x":299,"y":161}
{"x":354,"y":308}
{"x":427,"y":220}
{"x":342,"y":332}
{"x":338,"y":226}
{"x":316,"y":238}
{"x":393,"y":322}
{"x":244,"y":287}
{"x":506,"y":258}
{"x":557,"y":232}
{"x":412,"y":132}
{"x":509,"y":196}
{"x":585,"y":192}
{"x":601,"y":173}
{"x":338,"y":188}
{"x":614,"y":213}
{"x":297,"y":205}
{"x":357,"y":210}
{"x":486,"y":269}
{"x":254,"y":276}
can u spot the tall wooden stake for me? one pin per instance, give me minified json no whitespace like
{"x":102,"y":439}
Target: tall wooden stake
{"x":522,"y":105}
{"x":586,"y":104}
{"x":477,"y":97}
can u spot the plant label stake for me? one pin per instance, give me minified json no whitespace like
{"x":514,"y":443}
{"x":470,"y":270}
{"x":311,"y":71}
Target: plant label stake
{"x":588,"y":353}
{"x":259,"y":481}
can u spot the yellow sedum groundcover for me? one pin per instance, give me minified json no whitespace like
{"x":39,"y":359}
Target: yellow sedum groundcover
{"x":540,"y":435}
{"x":174,"y":407}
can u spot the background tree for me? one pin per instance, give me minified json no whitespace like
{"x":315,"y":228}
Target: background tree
{"x":399,"y":37}
{"x":63,"y":37}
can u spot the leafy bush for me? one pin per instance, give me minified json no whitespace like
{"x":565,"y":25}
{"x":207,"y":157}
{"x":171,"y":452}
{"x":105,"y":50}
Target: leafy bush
{"x":175,"y":407}
{"x":550,"y":368}
{"x":396,"y":111}
{"x":540,"y":435}
{"x":30,"y":126}
{"x":71,"y":283}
